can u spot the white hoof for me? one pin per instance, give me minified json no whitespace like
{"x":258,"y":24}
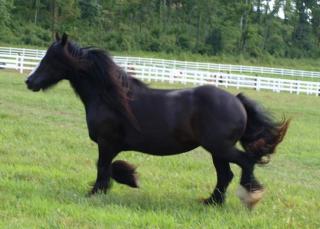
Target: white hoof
{"x":249,"y":199}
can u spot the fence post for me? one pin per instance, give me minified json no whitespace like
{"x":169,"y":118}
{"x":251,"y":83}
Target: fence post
{"x":21,"y":63}
{"x":126,"y":66}
{"x":226,"y":80}
{"x":171,"y":76}
{"x":183,"y":76}
{"x":238,"y":81}
{"x":17,"y":62}
{"x":150,"y":69}
{"x":143,"y":71}
{"x":22,"y":60}
{"x":217,"y":80}
{"x":257,"y":84}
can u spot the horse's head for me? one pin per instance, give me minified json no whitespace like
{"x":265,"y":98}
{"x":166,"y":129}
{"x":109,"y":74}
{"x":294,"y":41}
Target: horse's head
{"x":52,"y":68}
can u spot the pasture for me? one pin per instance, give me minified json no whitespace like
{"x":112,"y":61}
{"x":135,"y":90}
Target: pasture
{"x":47,"y":164}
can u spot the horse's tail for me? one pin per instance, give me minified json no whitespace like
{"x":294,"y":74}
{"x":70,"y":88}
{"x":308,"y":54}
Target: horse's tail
{"x":262,"y":133}
{"x":125,"y":173}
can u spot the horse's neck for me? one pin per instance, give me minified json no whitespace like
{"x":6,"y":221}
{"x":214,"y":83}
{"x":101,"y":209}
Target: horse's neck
{"x":85,"y":89}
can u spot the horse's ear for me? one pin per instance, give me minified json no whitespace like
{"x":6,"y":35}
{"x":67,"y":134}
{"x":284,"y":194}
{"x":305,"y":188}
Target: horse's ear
{"x":57,"y":36}
{"x":64,"y":39}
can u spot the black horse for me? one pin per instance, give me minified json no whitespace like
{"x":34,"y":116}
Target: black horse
{"x":122,"y":113}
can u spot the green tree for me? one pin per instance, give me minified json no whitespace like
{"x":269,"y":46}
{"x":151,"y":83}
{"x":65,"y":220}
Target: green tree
{"x":5,"y":7}
{"x":214,"y":27}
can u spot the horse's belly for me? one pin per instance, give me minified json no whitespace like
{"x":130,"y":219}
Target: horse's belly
{"x":161,"y":146}
{"x":164,"y":150}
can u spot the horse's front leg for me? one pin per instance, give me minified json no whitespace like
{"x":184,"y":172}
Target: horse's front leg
{"x":106,"y":154}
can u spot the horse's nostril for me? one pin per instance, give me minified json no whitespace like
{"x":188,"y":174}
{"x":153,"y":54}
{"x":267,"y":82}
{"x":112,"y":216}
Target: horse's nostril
{"x":27,"y":81}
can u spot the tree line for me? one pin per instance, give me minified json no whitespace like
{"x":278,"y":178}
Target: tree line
{"x":280,"y":28}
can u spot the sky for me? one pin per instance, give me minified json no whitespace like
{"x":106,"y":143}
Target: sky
{"x":281,"y":13}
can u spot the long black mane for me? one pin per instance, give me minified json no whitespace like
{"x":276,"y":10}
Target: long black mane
{"x":114,"y":85}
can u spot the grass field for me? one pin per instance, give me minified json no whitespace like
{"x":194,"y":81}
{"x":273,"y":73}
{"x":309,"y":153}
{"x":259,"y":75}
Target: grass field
{"x":47,"y":164}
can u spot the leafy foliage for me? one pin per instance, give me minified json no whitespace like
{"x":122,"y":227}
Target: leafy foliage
{"x":212,"y":27}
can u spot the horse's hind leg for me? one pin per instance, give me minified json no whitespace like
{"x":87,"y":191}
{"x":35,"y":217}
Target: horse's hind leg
{"x":250,"y":190}
{"x":224,"y":177}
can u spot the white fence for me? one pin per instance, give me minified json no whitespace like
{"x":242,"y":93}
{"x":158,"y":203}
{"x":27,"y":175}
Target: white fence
{"x":176,"y":72}
{"x":18,"y":62}
{"x":223,"y":79}
{"x":182,"y":64}
{"x":22,"y":52}
{"x":217,"y":67}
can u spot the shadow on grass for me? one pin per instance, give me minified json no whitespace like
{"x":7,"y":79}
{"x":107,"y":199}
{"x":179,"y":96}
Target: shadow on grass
{"x":144,"y":199}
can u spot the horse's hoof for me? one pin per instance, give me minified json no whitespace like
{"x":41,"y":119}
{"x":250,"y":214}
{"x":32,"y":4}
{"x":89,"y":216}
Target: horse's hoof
{"x":90,"y":194}
{"x":99,"y":187}
{"x":96,"y":191}
{"x":249,"y":198}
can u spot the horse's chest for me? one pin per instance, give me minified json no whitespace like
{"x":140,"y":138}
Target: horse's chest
{"x":106,"y":127}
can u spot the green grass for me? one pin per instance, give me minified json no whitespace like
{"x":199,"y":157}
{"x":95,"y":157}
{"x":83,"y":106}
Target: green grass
{"x":47,"y":163}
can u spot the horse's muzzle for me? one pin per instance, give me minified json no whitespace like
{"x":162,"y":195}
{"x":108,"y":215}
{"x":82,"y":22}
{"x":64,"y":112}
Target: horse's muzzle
{"x":32,"y":86}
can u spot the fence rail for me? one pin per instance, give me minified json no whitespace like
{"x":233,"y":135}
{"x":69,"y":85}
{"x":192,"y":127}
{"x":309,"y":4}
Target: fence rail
{"x":218,"y":67}
{"x":183,"y":64}
{"x":176,"y":72}
{"x":18,"y":62}
{"x":23,"y":52}
{"x":223,"y":79}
